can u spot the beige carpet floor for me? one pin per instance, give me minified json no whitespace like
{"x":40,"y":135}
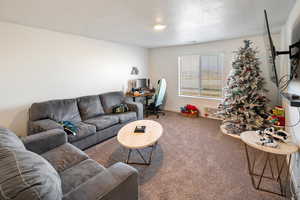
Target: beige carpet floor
{"x":193,"y":161}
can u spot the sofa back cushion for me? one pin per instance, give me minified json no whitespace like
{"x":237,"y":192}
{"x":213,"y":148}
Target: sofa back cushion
{"x":89,"y":107}
{"x":24,"y":174}
{"x":57,"y":110}
{"x":111,"y":99}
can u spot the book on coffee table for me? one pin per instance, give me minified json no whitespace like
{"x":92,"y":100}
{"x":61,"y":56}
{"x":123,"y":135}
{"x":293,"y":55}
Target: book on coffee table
{"x":140,"y":129}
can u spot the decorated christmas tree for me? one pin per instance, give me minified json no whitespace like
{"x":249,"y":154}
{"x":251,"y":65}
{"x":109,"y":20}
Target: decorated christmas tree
{"x":244,"y":104}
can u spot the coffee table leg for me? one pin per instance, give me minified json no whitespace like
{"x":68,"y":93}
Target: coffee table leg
{"x":153,"y":148}
{"x":141,"y":155}
{"x":128,"y":157}
{"x":250,"y":169}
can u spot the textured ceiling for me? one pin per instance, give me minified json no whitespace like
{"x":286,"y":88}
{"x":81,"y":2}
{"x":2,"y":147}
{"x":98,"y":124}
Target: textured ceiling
{"x":131,"y":21}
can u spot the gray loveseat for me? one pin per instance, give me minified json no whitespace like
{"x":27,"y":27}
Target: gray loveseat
{"x":91,"y":114}
{"x":46,"y":167}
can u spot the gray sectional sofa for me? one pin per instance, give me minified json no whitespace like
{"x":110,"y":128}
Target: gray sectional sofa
{"x":91,"y":114}
{"x":46,"y":167}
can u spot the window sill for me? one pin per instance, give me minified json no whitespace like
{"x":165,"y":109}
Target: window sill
{"x":202,"y":97}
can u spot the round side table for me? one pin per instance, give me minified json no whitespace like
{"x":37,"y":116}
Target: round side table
{"x":250,"y":138}
{"x":225,"y":132}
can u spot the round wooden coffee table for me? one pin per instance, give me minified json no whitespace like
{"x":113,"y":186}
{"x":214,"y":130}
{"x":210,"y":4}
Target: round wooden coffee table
{"x":136,"y":141}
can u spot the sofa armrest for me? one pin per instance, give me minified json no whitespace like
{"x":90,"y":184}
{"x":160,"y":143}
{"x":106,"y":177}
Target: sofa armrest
{"x":136,"y":107}
{"x":118,"y":182}
{"x":45,"y":141}
{"x":42,"y":125}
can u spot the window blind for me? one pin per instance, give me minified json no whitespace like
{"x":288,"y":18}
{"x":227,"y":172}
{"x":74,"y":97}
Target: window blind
{"x":201,"y":75}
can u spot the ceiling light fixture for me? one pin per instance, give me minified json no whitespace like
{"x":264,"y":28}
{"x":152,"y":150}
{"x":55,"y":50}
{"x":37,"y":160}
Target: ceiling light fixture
{"x":159,"y":27}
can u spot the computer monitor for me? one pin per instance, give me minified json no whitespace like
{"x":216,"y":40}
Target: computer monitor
{"x":141,"y":83}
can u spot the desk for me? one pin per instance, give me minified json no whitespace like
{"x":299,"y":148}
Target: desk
{"x":250,"y":138}
{"x":146,"y":95}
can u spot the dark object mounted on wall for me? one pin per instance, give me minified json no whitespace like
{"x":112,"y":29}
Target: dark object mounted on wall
{"x":134,"y":71}
{"x":294,"y":55}
{"x":293,"y":52}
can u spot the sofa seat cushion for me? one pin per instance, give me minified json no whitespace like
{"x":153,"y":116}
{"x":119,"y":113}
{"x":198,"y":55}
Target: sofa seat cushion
{"x":64,"y":157}
{"x":103,"y":121}
{"x":90,"y":106}
{"x":84,"y":130}
{"x":127,"y":116}
{"x":78,"y":174}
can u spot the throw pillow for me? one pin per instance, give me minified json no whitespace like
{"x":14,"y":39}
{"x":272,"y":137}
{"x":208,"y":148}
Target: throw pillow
{"x":69,"y":127}
{"x":120,"y":108}
{"x":24,"y":174}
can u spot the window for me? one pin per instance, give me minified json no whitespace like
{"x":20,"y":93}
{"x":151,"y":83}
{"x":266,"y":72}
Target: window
{"x":201,"y":76}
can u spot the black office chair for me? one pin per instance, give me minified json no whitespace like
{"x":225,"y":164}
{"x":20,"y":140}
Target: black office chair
{"x":154,"y":107}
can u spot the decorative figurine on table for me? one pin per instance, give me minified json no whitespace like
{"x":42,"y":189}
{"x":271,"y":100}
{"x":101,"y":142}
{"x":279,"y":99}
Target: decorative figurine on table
{"x":268,"y":142}
{"x":269,"y":136}
{"x":278,"y":111}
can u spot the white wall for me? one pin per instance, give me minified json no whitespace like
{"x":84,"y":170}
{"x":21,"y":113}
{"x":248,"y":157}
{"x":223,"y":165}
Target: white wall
{"x":38,"y":65}
{"x":163,"y":63}
{"x":291,"y":33}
